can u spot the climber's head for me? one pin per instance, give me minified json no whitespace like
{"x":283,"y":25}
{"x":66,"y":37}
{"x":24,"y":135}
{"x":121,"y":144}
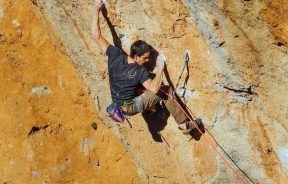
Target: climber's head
{"x":140,"y":52}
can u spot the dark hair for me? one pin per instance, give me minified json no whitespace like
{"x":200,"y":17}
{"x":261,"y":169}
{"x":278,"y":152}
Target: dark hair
{"x":139,"y":48}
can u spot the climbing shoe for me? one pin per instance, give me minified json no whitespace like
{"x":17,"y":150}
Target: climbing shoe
{"x":190,"y":126}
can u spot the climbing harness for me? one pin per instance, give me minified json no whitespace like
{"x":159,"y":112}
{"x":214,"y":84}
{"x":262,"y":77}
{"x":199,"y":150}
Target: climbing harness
{"x":126,"y":103}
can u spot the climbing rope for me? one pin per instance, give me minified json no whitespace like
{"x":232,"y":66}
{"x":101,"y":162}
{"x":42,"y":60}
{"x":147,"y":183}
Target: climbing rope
{"x":185,"y":65}
{"x":208,"y":140}
{"x":223,"y":149}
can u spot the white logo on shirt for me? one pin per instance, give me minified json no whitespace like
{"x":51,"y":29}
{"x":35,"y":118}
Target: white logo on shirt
{"x":131,"y":74}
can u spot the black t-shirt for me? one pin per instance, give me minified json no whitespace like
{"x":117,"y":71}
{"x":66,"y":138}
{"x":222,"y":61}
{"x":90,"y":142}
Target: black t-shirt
{"x":124,"y":78}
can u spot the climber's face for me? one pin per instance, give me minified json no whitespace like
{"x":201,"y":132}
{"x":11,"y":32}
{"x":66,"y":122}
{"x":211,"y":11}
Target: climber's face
{"x":142,"y":59}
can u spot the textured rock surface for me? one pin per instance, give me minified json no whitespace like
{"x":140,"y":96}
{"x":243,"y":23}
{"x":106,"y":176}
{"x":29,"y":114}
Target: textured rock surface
{"x":46,"y":112}
{"x":239,"y":71}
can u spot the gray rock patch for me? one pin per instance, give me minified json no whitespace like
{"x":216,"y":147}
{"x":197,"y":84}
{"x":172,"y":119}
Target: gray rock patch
{"x":41,"y":90}
{"x":284,"y":157}
{"x":87,"y":144}
{"x":36,"y":173}
{"x":16,"y":22}
{"x":1,"y":13}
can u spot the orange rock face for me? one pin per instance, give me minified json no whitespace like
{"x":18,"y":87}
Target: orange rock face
{"x":46,"y":113}
{"x":277,"y":18}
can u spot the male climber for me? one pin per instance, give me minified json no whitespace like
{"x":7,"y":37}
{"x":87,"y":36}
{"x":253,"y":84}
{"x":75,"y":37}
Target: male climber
{"x":126,"y":73}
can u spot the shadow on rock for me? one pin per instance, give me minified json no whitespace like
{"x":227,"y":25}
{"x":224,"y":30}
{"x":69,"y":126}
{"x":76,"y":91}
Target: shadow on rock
{"x":156,"y":120}
{"x":116,"y":40}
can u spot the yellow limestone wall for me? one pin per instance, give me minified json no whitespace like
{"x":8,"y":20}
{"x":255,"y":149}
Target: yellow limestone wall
{"x":39,"y":87}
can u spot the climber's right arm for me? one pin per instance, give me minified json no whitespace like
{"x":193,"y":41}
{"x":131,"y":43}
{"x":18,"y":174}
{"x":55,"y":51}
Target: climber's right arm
{"x":154,"y":84}
{"x":95,"y":28}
